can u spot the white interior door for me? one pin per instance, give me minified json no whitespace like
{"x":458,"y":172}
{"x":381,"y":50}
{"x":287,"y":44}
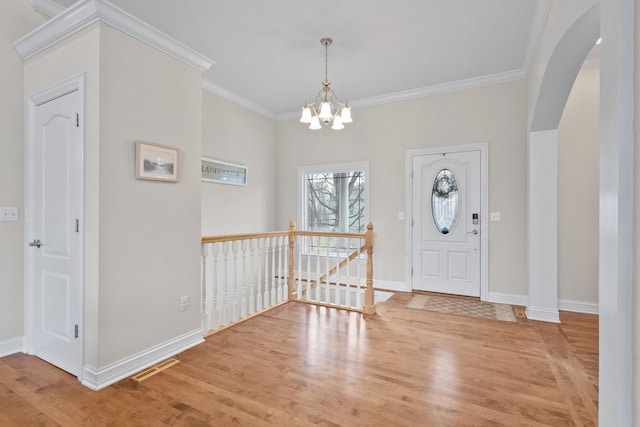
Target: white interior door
{"x":446,"y":223}
{"x":55,"y":252}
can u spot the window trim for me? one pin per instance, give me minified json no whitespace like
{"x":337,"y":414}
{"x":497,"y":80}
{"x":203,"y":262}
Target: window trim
{"x":329,"y":167}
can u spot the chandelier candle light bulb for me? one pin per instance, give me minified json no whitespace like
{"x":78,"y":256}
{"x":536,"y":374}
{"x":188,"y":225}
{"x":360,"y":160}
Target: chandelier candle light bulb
{"x":331,"y":109}
{"x":306,"y":114}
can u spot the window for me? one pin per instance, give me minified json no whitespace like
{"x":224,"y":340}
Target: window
{"x":334,"y":197}
{"x":444,"y":201}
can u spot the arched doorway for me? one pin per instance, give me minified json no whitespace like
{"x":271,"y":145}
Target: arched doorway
{"x":617,"y":20}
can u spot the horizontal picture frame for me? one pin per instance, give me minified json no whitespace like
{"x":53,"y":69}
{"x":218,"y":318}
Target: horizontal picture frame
{"x":157,"y":162}
{"x":222,"y":172}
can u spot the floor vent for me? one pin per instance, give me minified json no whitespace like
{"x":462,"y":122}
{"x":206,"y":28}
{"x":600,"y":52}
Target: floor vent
{"x":141,"y":376}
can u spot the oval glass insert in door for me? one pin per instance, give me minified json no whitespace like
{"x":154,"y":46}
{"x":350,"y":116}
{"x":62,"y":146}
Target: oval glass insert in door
{"x":445,"y":206}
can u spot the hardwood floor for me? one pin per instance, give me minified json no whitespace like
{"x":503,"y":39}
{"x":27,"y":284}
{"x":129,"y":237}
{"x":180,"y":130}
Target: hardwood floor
{"x":304,"y":365}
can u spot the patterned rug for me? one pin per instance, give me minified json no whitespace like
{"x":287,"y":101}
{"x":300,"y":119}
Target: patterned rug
{"x":463,"y":307}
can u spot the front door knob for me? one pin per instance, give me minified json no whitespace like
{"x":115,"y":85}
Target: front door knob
{"x":35,"y":243}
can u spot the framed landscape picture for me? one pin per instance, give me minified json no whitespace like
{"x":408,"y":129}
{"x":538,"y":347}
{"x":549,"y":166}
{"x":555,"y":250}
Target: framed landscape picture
{"x":223,"y":172}
{"x":156,"y":162}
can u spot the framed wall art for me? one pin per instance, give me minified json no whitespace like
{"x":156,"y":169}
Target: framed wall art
{"x":156,"y":162}
{"x":223,"y":172}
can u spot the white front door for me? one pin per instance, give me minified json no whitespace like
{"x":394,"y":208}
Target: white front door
{"x":55,"y":238}
{"x":446,"y":223}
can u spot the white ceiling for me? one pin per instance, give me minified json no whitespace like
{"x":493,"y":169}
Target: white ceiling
{"x":268,"y":54}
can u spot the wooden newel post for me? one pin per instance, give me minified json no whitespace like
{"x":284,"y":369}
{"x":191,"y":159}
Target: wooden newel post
{"x":291,"y":280}
{"x":369,"y":305}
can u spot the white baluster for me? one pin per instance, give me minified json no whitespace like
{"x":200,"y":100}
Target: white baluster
{"x":327,"y":291}
{"x":272,"y":289}
{"x":259,"y":294}
{"x":252,"y":290}
{"x":336,"y":295}
{"x":244,"y":298}
{"x":236,"y":282}
{"x":285,"y":267}
{"x":279,"y":276}
{"x":204,"y":249}
{"x":226,"y":315}
{"x":359,"y":302}
{"x":309,"y":276}
{"x":348,"y":289}
{"x":215,"y":318}
{"x":316,"y":295}
{"x":267,"y":290}
{"x":299,"y":265}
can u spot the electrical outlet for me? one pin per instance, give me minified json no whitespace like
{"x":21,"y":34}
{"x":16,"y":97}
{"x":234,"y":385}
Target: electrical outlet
{"x":184,"y":303}
{"x":9,"y":214}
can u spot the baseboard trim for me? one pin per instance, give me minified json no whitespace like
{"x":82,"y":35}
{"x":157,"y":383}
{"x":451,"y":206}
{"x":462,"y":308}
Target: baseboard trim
{"x":512,"y":299}
{"x":12,"y":346}
{"x":543,"y":314}
{"x":97,"y":379}
{"x":575,"y":306}
{"x":388,"y":285}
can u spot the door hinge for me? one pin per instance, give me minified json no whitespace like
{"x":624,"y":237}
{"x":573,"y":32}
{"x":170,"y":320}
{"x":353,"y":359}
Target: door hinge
{"x":76,"y":331}
{"x":77,"y":225}
{"x":77,"y":120}
{"x":411,"y":271}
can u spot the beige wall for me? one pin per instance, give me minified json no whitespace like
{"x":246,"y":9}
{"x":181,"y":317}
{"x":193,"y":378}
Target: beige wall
{"x":141,"y":237}
{"x":578,"y":190}
{"x":234,"y":134}
{"x":382,"y":134}
{"x":149,"y":231}
{"x":16,"y":19}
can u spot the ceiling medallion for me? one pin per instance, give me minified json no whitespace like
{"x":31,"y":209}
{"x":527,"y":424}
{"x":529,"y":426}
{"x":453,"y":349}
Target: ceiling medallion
{"x":326,"y":108}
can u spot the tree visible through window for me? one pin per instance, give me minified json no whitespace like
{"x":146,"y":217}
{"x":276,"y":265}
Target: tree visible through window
{"x":336,"y":201}
{"x":334,"y":197}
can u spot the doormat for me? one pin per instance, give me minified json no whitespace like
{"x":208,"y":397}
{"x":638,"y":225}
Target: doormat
{"x":463,"y":307}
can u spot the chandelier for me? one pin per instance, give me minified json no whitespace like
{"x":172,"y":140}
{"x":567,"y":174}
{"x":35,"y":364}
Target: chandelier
{"x":326,"y":108}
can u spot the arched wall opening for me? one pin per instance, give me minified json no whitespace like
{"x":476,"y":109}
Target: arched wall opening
{"x":617,"y":22}
{"x":560,"y":71}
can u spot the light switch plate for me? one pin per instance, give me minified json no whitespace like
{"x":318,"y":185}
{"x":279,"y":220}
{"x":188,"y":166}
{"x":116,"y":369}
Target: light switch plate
{"x":9,"y":214}
{"x":495,"y":216}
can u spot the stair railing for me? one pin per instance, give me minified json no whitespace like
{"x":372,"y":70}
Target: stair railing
{"x":247,"y":274}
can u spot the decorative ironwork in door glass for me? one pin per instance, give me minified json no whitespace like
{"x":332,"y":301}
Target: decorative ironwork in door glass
{"x":445,"y":201}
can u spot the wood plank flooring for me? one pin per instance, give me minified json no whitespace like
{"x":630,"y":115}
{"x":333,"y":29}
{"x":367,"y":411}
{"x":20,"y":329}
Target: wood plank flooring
{"x":300,"y":365}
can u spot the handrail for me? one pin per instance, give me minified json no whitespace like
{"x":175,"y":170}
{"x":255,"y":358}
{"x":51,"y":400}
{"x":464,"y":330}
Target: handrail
{"x":245,"y":236}
{"x":330,"y":233}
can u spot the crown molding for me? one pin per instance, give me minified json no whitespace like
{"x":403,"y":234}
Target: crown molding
{"x":209,"y":86}
{"x":428,"y":91}
{"x":88,"y":12}
{"x":47,"y":7}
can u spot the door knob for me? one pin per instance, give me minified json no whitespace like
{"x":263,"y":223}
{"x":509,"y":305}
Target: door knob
{"x":35,"y":243}
{"x":472,"y":232}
